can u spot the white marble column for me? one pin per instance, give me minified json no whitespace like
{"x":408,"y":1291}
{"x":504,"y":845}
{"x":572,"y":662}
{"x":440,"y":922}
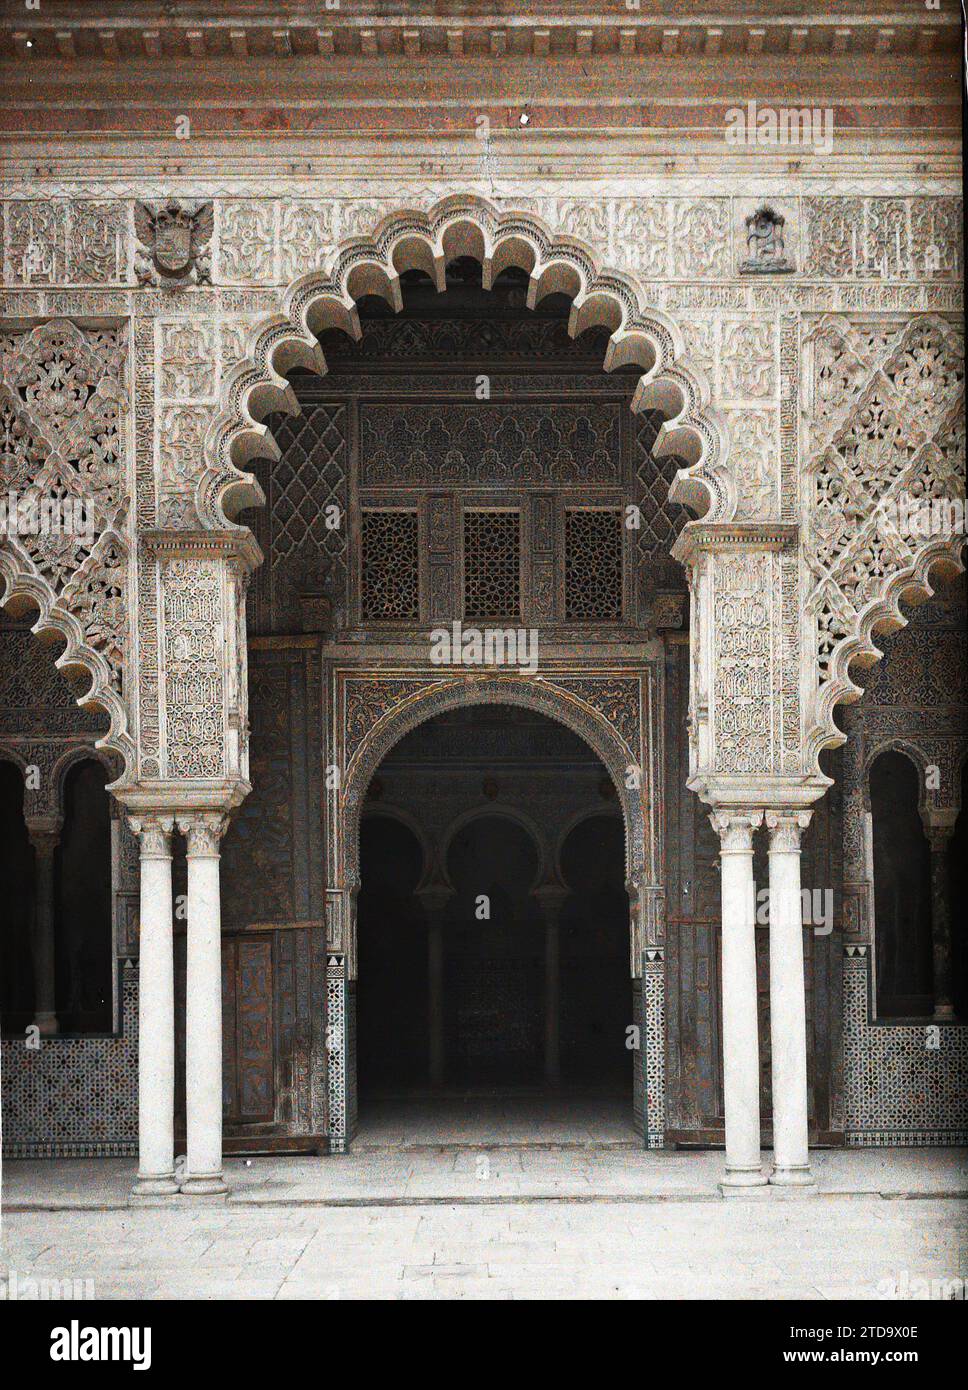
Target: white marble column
{"x":203,"y":1006}
{"x":44,"y":832}
{"x":741,"y":1050}
{"x":156,"y":1011}
{"x":788,"y":1013}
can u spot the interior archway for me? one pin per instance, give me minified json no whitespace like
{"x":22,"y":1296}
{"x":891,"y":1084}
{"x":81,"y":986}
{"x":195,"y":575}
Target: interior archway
{"x":494,"y":992}
{"x":902,"y":889}
{"x":83,"y":938}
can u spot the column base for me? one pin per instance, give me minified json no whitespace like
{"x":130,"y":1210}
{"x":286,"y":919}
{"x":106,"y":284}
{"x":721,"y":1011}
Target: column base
{"x":202,"y":1185}
{"x":944,"y":1013}
{"x":794,"y":1179}
{"x":744,"y":1182}
{"x":47,"y":1025}
{"x":154,"y":1185}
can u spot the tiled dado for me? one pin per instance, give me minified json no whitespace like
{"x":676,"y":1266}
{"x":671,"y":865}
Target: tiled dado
{"x":75,"y":1097}
{"x":898,"y":1090}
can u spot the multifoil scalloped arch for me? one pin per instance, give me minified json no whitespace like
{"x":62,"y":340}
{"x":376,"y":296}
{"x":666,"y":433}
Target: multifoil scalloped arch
{"x":22,"y":588}
{"x":466,"y":226}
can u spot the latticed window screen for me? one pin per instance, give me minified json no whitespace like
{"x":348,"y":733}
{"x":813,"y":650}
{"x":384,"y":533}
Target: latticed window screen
{"x":390,"y":587}
{"x":492,"y":564}
{"x":593,"y":565}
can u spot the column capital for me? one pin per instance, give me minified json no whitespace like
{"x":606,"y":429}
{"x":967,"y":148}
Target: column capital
{"x":939,"y":825}
{"x":203,"y":831}
{"x":550,"y":897}
{"x":434,"y":896}
{"x":735,"y":825}
{"x":786,"y":826}
{"x":44,"y":833}
{"x":154,"y":834}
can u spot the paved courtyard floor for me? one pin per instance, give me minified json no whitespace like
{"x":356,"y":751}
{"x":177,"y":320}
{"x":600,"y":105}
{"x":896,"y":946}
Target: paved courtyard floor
{"x":497,"y":1222}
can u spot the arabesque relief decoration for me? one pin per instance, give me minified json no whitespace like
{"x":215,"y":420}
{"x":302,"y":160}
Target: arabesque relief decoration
{"x":887,"y":440}
{"x":64,"y":404}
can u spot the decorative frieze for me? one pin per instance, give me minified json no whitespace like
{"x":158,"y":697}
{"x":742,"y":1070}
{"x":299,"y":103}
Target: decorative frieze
{"x":66,"y":242}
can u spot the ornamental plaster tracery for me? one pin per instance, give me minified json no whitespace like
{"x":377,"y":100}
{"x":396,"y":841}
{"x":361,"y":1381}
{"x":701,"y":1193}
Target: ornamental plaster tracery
{"x":897,"y":434}
{"x":64,"y":406}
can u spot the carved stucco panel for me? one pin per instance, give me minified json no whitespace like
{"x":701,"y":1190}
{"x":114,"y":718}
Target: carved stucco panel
{"x":700,"y":238}
{"x":188,"y":358}
{"x":307,"y":236}
{"x":641,"y":236}
{"x":246,"y":241}
{"x":743,"y":617}
{"x":65,"y":429}
{"x":754,"y":455}
{"x":194,"y":647}
{"x":64,"y":241}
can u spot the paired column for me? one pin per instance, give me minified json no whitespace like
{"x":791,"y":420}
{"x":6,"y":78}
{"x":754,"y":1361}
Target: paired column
{"x":203,"y":1005}
{"x":788,"y":1016}
{"x":44,"y":832}
{"x":741,"y":1049}
{"x":203,"y":1008}
{"x":156,"y":1011}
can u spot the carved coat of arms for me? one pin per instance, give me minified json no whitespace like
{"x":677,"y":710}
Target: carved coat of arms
{"x":174,"y":243}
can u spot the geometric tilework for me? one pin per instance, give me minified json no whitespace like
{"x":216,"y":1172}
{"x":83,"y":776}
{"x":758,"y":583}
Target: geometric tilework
{"x":653,"y":991}
{"x":898,"y":1091}
{"x":638,"y":1065}
{"x":74,"y":1097}
{"x":336,"y":1052}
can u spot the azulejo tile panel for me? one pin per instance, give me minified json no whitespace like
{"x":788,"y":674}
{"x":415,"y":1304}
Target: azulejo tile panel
{"x":75,"y":1097}
{"x":904,"y":1084}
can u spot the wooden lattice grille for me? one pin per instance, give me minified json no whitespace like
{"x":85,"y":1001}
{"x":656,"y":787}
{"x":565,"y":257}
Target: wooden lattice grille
{"x":593,"y":565}
{"x":390,"y":584}
{"x":492,"y":564}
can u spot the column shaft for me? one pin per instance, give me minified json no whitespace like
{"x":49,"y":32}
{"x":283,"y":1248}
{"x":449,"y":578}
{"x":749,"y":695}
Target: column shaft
{"x":435,"y":998}
{"x":741,"y":1052}
{"x":203,"y":1009}
{"x":939,"y":838}
{"x":788,"y":1014}
{"x":44,"y":836}
{"x":156,"y":1012}
{"x":552,"y":1048}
